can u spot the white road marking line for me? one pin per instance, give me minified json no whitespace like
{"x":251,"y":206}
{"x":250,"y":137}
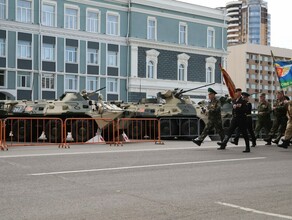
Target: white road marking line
{"x":145,"y":166}
{"x":108,"y":152}
{"x":254,"y":210}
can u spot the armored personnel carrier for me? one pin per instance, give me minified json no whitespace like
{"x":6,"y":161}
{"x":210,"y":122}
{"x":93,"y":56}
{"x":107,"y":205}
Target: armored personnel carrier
{"x":20,"y":117}
{"x":179,"y":116}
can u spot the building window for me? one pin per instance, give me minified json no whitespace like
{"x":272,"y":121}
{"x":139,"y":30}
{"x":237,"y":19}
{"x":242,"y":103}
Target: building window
{"x":181,"y":72}
{"x":150,"y":68}
{"x":151,"y":63}
{"x":71,"y":18}
{"x":112,"y":59}
{"x":2,"y":78}
{"x":24,"y":50}
{"x":23,"y":80}
{"x":2,"y":47}
{"x":48,"y":52}
{"x":92,"y":24}
{"x":210,"y":69}
{"x":71,"y":54}
{"x":209,"y":75}
{"x":71,"y":82}
{"x":211,"y":38}
{"x":92,"y":56}
{"x":91,"y":83}
{"x":182,"y":63}
{"x":24,"y":9}
{"x":48,"y":14}
{"x":182,"y":33}
{"x":48,"y":81}
{"x":112,"y":24}
{"x":2,"y":9}
{"x":112,"y":85}
{"x":151,"y":28}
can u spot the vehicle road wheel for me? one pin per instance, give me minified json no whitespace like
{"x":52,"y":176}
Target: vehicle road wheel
{"x":53,"y":131}
{"x":21,"y":130}
{"x":168,"y":128}
{"x":82,"y":130}
{"x":189,"y":128}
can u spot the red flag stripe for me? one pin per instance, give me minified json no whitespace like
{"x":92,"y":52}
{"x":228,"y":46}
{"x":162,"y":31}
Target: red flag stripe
{"x":228,"y":81}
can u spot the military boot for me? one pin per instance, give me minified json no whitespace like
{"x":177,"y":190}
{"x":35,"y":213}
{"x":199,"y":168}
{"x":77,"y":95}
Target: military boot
{"x":268,"y":140}
{"x":285,"y":144}
{"x":234,"y":141}
{"x":276,"y":141}
{"x":253,"y":143}
{"x":197,"y":141}
{"x":223,"y":143}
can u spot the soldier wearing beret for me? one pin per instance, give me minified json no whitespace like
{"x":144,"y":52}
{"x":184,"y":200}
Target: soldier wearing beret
{"x":213,"y":111}
{"x":245,"y":96}
{"x":238,"y":120}
{"x":280,"y":119}
{"x":263,"y":116}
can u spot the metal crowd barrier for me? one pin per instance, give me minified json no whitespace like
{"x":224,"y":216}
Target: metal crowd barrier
{"x":21,"y":131}
{"x":3,"y":144}
{"x":89,"y":131}
{"x":138,"y":130}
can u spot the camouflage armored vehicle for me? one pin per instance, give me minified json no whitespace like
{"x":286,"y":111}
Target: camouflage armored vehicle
{"x":20,"y":117}
{"x":179,"y":116}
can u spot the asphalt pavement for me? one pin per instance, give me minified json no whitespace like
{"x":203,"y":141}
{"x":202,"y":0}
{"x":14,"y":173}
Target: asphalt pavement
{"x":174,"y":180}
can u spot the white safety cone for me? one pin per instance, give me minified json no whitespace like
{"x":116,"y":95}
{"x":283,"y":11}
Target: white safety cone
{"x":125,"y":137}
{"x":69,"y":137}
{"x":97,"y":138}
{"x":43,"y":137}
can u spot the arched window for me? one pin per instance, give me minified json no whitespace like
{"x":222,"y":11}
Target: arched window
{"x":150,"y":73}
{"x":181,"y":72}
{"x":210,"y":69}
{"x":209,"y":75}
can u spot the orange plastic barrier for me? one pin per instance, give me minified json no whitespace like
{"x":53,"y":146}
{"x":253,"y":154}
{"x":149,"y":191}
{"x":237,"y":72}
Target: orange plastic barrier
{"x":89,"y":131}
{"x":138,"y":130}
{"x":22,"y":131}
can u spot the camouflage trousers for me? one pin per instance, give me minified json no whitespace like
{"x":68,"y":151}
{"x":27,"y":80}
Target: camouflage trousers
{"x":261,"y":123}
{"x":279,"y":126}
{"x":217,"y":124}
{"x":288,"y":131}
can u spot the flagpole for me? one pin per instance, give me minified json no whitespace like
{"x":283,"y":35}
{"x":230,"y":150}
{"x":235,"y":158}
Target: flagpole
{"x":273,"y":80}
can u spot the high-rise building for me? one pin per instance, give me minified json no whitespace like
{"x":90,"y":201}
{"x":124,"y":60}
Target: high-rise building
{"x":251,"y":67}
{"x":249,"y":22}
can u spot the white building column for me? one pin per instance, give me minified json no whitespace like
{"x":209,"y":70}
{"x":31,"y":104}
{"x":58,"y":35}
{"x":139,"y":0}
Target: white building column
{"x":134,"y":61}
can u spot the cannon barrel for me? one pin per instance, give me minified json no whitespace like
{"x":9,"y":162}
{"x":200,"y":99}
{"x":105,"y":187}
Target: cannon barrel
{"x":178,"y":95}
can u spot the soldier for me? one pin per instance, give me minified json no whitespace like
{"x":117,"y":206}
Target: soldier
{"x":263,"y":116}
{"x":245,"y":96}
{"x":214,"y":118}
{"x":288,"y":131}
{"x":238,"y":120}
{"x":280,"y":119}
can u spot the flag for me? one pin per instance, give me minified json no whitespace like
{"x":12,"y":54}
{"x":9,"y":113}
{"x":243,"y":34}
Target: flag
{"x":228,"y":81}
{"x":284,"y":71}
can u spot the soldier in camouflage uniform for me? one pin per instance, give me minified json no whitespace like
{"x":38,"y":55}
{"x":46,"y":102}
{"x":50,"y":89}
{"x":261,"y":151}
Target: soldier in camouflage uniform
{"x":280,"y":120}
{"x":214,"y":118}
{"x":264,"y":116}
{"x":288,"y":131}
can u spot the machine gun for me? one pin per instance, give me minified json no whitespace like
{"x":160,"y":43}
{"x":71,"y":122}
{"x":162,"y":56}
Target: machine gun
{"x":94,"y":92}
{"x":179,"y":94}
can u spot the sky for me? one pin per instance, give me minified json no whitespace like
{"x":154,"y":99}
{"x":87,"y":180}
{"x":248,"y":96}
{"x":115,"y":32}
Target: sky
{"x":280,"y":10}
